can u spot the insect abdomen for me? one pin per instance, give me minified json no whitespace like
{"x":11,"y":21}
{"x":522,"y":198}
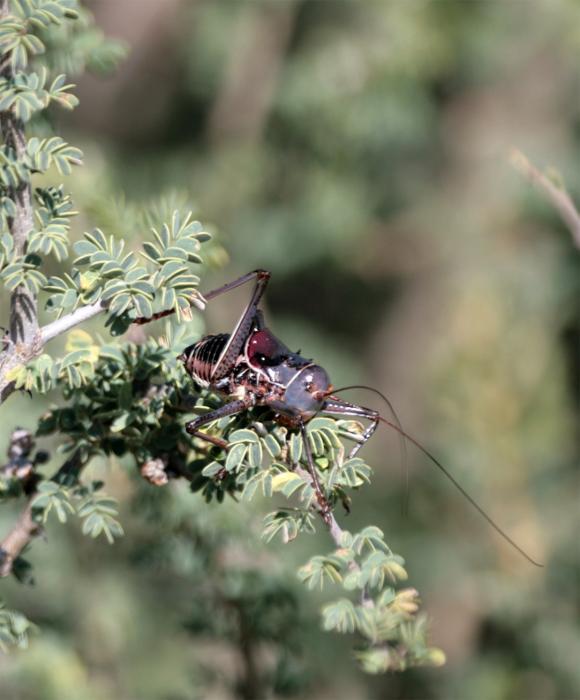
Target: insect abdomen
{"x":202,"y":357}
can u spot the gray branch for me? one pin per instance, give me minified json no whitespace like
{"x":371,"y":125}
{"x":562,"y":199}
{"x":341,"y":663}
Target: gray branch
{"x":23,"y":305}
{"x":559,"y":198}
{"x":23,"y":532}
{"x":26,"y":528}
{"x":62,"y":325}
{"x":22,"y":338}
{"x":336,"y":533}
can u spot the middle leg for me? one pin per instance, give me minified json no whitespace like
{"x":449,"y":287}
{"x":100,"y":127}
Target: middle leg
{"x":228,"y":409}
{"x":323,"y":504}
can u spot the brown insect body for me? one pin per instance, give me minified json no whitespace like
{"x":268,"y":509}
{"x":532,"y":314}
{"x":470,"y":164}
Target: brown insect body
{"x":251,"y":367}
{"x":265,"y":373}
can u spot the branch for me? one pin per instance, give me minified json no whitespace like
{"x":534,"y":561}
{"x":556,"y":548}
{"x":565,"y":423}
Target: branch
{"x":18,"y":354}
{"x":335,"y":532}
{"x":333,"y":527}
{"x":26,"y":528}
{"x":23,"y":532}
{"x":61,"y":325}
{"x":23,"y":304}
{"x":23,"y":331}
{"x":558,"y":196}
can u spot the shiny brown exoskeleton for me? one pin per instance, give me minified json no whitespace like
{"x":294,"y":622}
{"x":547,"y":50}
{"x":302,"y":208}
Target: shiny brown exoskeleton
{"x":251,"y":367}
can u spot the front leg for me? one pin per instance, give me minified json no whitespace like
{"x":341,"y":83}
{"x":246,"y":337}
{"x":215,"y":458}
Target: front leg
{"x":337,"y":407}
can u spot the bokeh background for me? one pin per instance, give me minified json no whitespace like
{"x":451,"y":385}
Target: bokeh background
{"x":359,"y":151}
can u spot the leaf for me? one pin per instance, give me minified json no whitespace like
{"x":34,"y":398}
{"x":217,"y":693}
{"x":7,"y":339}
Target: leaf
{"x":14,"y":629}
{"x":235,"y":456}
{"x":251,"y":486}
{"x":78,"y":339}
{"x":295,"y":447}
{"x":319,"y":570}
{"x":288,"y":482}
{"x":120,"y":423}
{"x":51,"y":496}
{"x":143,"y":306}
{"x":288,"y":524}
{"x":272,"y":446}
{"x":339,"y":616}
{"x":98,"y":513}
{"x":212,"y":469}
{"x":243,"y":435}
{"x":255,"y":454}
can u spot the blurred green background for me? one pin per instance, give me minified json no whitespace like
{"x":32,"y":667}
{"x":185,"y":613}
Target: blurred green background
{"x":359,"y":151}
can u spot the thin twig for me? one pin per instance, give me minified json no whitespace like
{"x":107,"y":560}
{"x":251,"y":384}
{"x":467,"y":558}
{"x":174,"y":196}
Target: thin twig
{"x":26,"y":527}
{"x":558,"y":196}
{"x":336,"y":532}
{"x":333,"y":527}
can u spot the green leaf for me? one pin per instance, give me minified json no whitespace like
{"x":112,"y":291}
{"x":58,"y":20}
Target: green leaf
{"x":339,"y":617}
{"x":14,"y":629}
{"x":288,"y":524}
{"x":295,"y":447}
{"x":98,"y":513}
{"x":272,"y":446}
{"x":235,"y":456}
{"x":320,"y":570}
{"x":243,"y":435}
{"x":121,"y":422}
{"x":212,"y":469}
{"x":52,"y":497}
{"x":288,"y":483}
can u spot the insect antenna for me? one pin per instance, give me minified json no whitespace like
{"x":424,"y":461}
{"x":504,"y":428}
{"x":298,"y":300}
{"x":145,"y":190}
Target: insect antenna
{"x":397,"y":427}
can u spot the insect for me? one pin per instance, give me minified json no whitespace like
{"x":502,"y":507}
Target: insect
{"x":251,"y":367}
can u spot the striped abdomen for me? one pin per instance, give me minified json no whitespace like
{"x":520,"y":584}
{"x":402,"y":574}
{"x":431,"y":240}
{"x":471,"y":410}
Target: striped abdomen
{"x":201,"y":358}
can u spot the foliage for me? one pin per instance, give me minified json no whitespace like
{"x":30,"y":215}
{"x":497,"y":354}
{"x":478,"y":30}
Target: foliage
{"x":131,"y":399}
{"x":14,"y":629}
{"x":360,"y":154}
{"x":135,"y":403}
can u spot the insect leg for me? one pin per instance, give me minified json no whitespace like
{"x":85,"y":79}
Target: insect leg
{"x":247,"y":320}
{"x":337,"y":407}
{"x":228,"y":409}
{"x":209,"y":295}
{"x":320,"y":497}
{"x":237,"y":283}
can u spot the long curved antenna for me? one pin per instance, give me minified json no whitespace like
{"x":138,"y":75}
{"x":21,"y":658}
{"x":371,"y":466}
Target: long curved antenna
{"x":400,"y":435}
{"x":457,"y":485}
{"x":461,"y":490}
